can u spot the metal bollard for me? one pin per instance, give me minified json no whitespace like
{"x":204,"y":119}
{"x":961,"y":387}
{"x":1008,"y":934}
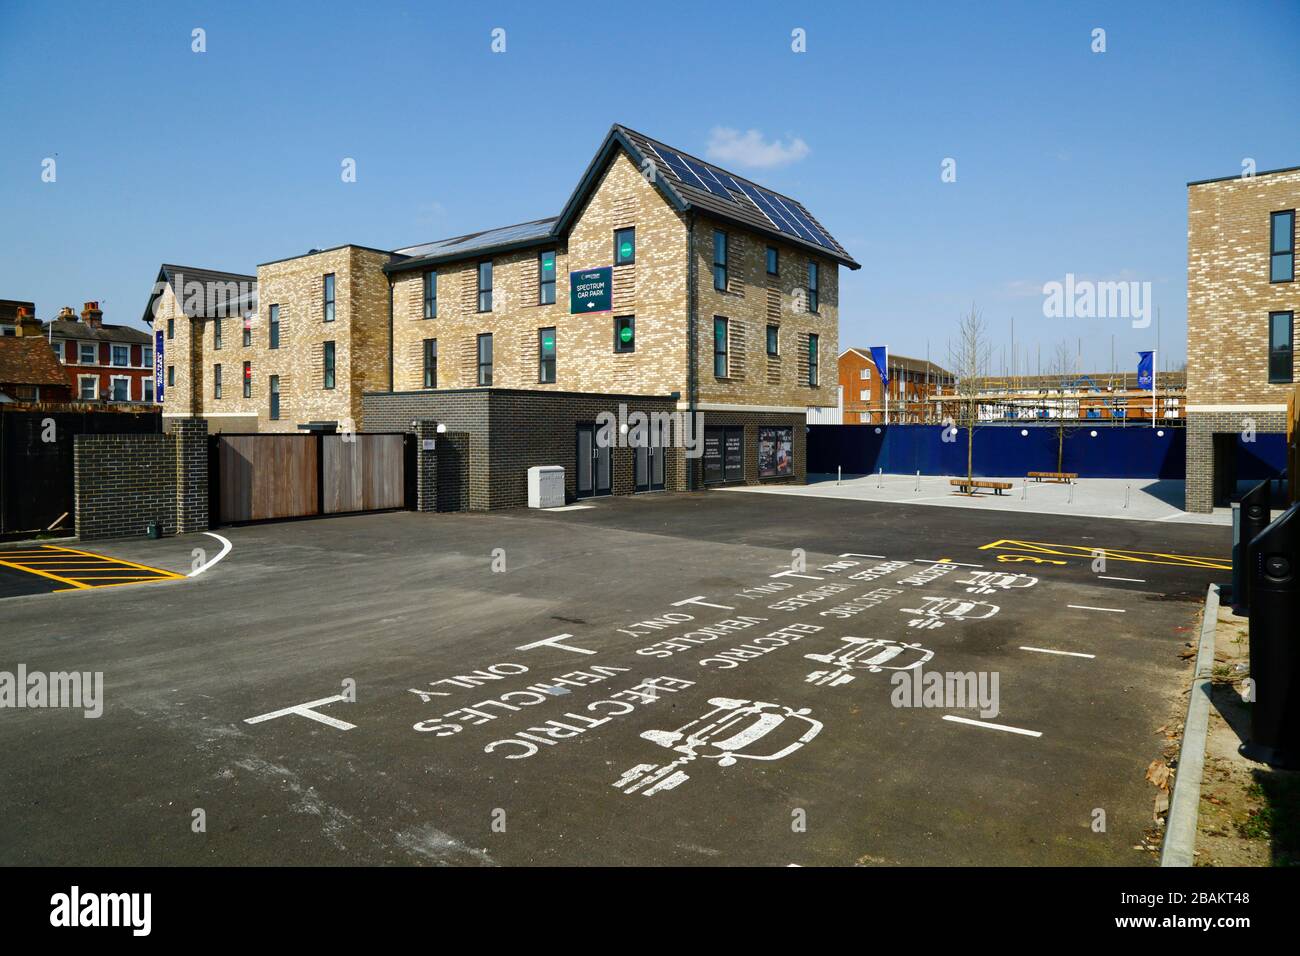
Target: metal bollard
{"x":1254,"y":517}
{"x":1273,"y":564}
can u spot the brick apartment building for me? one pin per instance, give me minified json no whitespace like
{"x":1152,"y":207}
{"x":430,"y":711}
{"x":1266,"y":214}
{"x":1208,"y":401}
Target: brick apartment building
{"x":911,"y":383}
{"x":1242,"y":299}
{"x":696,"y":291}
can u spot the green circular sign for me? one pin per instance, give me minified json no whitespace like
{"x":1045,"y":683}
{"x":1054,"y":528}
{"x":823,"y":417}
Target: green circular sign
{"x":625,"y":333}
{"x":547,"y":341}
{"x":625,"y":250}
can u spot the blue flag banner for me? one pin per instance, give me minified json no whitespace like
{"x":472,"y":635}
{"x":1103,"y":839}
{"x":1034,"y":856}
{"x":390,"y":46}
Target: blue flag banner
{"x":880,"y":355}
{"x":1146,"y":380}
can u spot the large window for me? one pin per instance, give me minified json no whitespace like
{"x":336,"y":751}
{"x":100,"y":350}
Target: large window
{"x":275,"y":398}
{"x":719,"y":346}
{"x":812,"y":360}
{"x":216,"y":333}
{"x":430,"y":363}
{"x":1281,"y":340}
{"x":87,"y":353}
{"x":625,"y":333}
{"x":813,"y":280}
{"x":216,"y":381}
{"x":248,"y":380}
{"x":773,"y":261}
{"x":1281,"y":263}
{"x":624,"y":246}
{"x":485,"y":359}
{"x":274,"y":327}
{"x":546,"y":278}
{"x":485,"y":286}
{"x":329,"y":298}
{"x":546,"y":356}
{"x":773,"y":341}
{"x":328,"y":365}
{"x":775,"y":452}
{"x":431,"y":294}
{"x":719,"y":260}
{"x":122,"y":355}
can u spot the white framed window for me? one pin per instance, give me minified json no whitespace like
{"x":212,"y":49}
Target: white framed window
{"x":121,"y":355}
{"x":87,"y":387}
{"x":864,"y":374}
{"x":146,"y":385}
{"x":864,"y":395}
{"x":119,"y":388}
{"x":146,"y":356}
{"x":87,"y":353}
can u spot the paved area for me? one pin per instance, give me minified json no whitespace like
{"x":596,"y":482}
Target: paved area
{"x":669,"y":679}
{"x":1140,"y":499}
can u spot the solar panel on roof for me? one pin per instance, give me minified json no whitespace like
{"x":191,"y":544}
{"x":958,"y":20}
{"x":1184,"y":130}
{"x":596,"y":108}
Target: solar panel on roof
{"x":678,"y":166}
{"x":711,"y":182}
{"x":802,"y":220}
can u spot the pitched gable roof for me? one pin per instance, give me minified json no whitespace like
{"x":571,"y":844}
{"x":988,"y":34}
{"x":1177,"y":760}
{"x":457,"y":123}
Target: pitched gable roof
{"x":726,"y":196}
{"x":218,"y":299}
{"x":29,"y":360}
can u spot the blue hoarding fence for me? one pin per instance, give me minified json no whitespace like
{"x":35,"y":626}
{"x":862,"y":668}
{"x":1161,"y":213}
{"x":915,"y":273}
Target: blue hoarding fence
{"x":1008,"y":451}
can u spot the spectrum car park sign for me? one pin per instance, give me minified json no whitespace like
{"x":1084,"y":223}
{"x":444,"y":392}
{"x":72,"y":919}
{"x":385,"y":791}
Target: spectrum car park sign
{"x":591,"y":290}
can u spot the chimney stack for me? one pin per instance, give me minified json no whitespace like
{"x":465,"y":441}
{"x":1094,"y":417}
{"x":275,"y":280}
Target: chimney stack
{"x":27,"y":324}
{"x":92,"y":314}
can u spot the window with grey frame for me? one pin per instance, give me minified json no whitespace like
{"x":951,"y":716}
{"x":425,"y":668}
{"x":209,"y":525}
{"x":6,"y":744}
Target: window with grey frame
{"x":719,"y":260}
{"x":1281,"y":246}
{"x":812,"y":360}
{"x":273,"y":329}
{"x":171,"y":328}
{"x":216,"y":333}
{"x":773,"y":341}
{"x":248,"y":380}
{"x":773,"y":261}
{"x":814,"y":280}
{"x":328,"y":297}
{"x":546,"y":356}
{"x":216,"y":381}
{"x":328,"y":363}
{"x":248,"y":330}
{"x":430,"y":363}
{"x":275,"y":397}
{"x":485,"y":286}
{"x":431,"y":294}
{"x":625,"y":333}
{"x":1281,"y":341}
{"x":546,"y":278}
{"x":625,"y":246}
{"x":485,"y":359}
{"x":719,"y":346}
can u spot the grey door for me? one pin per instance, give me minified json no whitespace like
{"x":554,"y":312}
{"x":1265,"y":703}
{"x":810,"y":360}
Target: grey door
{"x":594,"y":474}
{"x":650,"y":469}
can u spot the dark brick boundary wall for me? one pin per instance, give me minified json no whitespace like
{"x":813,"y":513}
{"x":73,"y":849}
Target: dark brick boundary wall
{"x":1201,"y":429}
{"x":124,"y":482}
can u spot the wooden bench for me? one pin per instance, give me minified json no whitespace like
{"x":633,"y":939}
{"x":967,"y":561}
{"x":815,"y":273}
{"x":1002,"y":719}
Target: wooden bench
{"x":1061,"y":476}
{"x":968,"y":485}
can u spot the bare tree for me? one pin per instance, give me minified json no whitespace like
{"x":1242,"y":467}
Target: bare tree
{"x":969,"y":359}
{"x":1062,"y":367}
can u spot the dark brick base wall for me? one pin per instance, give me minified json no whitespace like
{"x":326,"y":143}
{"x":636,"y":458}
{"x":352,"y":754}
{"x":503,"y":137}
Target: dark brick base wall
{"x":125,"y":482}
{"x":751,"y":422}
{"x":1201,"y":429}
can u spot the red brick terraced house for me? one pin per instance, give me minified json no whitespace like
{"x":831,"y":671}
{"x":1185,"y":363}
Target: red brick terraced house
{"x":111,"y":363}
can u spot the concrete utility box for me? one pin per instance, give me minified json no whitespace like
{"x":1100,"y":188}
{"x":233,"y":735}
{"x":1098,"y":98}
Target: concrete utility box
{"x":546,"y":486}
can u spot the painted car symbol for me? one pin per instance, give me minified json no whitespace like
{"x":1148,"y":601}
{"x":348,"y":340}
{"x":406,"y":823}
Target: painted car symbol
{"x":935,"y":611}
{"x":987,"y":582}
{"x":733,"y":730}
{"x":870,"y":654}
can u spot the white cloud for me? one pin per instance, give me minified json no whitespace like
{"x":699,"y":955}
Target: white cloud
{"x":731,"y":146}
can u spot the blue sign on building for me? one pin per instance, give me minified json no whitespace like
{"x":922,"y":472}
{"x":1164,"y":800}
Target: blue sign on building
{"x":591,"y":290}
{"x":158,"y":382}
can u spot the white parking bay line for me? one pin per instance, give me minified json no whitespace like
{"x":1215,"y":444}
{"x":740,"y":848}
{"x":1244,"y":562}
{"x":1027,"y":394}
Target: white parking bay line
{"x":1105,"y":577}
{"x":990,"y":726}
{"x":958,"y":564}
{"x":1045,"y":650}
{"x":1109,"y":610}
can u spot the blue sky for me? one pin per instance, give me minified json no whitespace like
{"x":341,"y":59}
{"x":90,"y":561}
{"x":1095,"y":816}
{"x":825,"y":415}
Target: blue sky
{"x":1068,"y":161}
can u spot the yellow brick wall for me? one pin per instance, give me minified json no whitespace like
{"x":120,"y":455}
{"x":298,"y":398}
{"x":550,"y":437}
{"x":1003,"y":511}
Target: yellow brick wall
{"x":1229,"y":295}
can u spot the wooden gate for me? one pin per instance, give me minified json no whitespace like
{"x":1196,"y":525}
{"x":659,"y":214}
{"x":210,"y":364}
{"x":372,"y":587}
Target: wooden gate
{"x":268,"y":476}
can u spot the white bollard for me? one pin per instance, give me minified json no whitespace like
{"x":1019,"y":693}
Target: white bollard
{"x":839,"y":473}
{"x":880,"y":477}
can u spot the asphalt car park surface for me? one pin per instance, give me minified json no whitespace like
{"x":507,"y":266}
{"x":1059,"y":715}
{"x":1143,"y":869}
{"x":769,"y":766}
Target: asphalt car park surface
{"x":450,"y":723}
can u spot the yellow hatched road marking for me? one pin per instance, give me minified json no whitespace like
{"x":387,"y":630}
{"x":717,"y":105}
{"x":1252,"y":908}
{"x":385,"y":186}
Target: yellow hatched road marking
{"x":71,"y":565}
{"x":1111,"y":554}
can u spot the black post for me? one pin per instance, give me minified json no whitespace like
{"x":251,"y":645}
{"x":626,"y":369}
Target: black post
{"x":1255,"y":516}
{"x":1273,"y":565}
